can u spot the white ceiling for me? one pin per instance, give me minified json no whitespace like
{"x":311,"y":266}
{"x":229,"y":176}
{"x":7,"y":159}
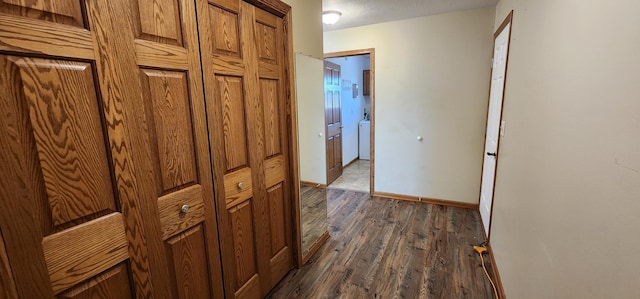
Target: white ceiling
{"x":365,"y":12}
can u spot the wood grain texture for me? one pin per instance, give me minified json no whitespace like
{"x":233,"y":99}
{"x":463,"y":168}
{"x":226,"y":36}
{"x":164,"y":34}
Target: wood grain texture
{"x":167,"y":93}
{"x":66,"y":12}
{"x":366,"y":82}
{"x":245,"y":70}
{"x":266,"y":43}
{"x":154,"y":54}
{"x":113,"y":283}
{"x":213,"y":66}
{"x":275,"y":196}
{"x":173,"y":220}
{"x":66,"y":124}
{"x":158,"y":21}
{"x":225,"y":31}
{"x":188,"y":253}
{"x":274,"y":171}
{"x":255,"y":132}
{"x":7,"y":284}
{"x":332,"y":120}
{"x":381,"y":248}
{"x":118,"y":74}
{"x":288,"y":83}
{"x":232,"y":99}
{"x":85,"y":250}
{"x":276,"y":7}
{"x":243,"y":243}
{"x":271,"y":116}
{"x":25,"y":216}
{"x":22,"y":35}
{"x":235,"y":195}
{"x":212,"y":273}
{"x":313,"y":202}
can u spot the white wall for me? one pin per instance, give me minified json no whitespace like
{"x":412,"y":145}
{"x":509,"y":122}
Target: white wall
{"x":352,"y":109}
{"x":307,"y":27}
{"x":307,"y":44}
{"x":432,"y":79}
{"x":310,"y":95}
{"x":567,"y":198}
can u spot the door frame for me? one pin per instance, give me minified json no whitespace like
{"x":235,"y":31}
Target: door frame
{"x":507,"y":21}
{"x":372,"y":115}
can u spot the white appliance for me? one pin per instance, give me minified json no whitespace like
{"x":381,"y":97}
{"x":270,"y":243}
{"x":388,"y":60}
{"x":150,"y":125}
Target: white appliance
{"x":364,"y":140}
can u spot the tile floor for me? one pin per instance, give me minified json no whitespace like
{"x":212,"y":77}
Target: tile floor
{"x":355,"y":177}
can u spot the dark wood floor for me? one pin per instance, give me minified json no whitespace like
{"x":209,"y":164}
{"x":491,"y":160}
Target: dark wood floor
{"x":313,"y":215}
{"x":383,"y":248}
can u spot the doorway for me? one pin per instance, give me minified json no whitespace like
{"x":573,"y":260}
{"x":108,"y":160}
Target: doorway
{"x":495,"y":126}
{"x":357,"y":119}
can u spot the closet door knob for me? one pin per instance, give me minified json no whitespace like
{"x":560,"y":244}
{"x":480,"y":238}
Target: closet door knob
{"x":185,"y":209}
{"x":240,"y":185}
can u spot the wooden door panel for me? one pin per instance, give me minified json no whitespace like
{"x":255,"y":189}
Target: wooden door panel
{"x":243,"y":57}
{"x":230,"y":97}
{"x":108,"y":284}
{"x":56,"y":146}
{"x":167,"y":95}
{"x":77,"y":212}
{"x":7,"y":283}
{"x":160,"y":22}
{"x":168,"y":59}
{"x":277,"y":216}
{"x":243,"y":243}
{"x":95,"y":246}
{"x":328,"y":108}
{"x":333,"y":120}
{"x":45,"y":38}
{"x":271,"y":115}
{"x":337,"y":118}
{"x":188,"y":253}
{"x":269,"y":32}
{"x":66,"y":12}
{"x":225,"y":30}
{"x":66,"y":126}
{"x":170,"y":209}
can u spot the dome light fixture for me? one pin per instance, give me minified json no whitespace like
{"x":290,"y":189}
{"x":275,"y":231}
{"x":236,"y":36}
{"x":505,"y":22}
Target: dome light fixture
{"x":330,"y":17}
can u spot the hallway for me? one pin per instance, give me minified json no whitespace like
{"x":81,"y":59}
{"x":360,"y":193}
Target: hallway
{"x":383,"y":248}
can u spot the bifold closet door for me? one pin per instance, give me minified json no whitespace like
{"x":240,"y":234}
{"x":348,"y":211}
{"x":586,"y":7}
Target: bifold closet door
{"x":243,"y":53}
{"x":105,"y":186}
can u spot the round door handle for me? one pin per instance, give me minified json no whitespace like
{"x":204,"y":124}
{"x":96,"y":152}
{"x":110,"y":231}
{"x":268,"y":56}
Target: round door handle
{"x":491,"y":154}
{"x":185,"y":208}
{"x":240,"y":185}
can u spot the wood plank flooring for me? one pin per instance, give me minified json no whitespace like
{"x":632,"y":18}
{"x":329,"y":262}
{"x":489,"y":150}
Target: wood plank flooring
{"x":383,"y":248}
{"x":313,"y":215}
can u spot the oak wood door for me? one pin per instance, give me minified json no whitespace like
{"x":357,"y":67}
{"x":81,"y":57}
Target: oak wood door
{"x":244,"y":63}
{"x":103,"y":138}
{"x":333,"y":120}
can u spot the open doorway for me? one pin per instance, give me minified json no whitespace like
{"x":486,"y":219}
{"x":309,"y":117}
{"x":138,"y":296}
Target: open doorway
{"x":354,"y":116}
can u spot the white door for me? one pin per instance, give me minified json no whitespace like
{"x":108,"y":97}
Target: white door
{"x":500,"y":52}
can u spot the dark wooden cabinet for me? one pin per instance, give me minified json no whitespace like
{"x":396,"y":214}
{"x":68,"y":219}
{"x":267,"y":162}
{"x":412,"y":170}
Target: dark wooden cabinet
{"x":366,"y":82}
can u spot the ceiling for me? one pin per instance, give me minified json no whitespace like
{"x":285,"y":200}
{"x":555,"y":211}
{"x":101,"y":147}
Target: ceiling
{"x":365,"y":12}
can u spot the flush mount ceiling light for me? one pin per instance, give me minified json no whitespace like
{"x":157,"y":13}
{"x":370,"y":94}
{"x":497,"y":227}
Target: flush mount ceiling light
{"x":330,"y":16}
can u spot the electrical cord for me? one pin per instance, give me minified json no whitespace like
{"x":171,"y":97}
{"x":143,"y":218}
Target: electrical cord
{"x":480,"y":250}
